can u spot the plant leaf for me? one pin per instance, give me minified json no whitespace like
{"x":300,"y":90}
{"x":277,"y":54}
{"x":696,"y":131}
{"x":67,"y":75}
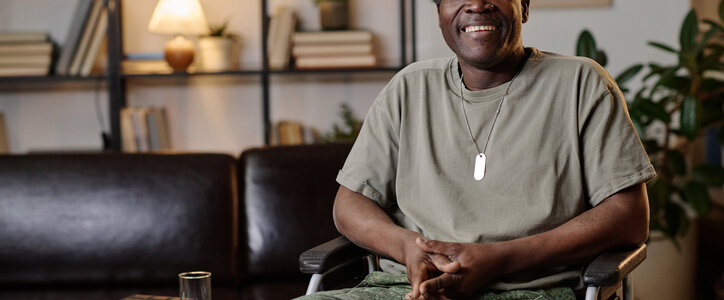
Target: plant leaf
{"x":601,"y":58}
{"x":629,"y":73}
{"x":653,"y":110}
{"x":586,"y":45}
{"x":688,"y":116}
{"x":663,"y":47}
{"x":675,"y":219}
{"x":676,"y":163}
{"x":689,"y":31}
{"x":708,"y":174}
{"x":696,"y":194}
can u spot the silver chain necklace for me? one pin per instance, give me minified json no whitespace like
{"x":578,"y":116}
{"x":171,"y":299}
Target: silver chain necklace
{"x":480,"y":158}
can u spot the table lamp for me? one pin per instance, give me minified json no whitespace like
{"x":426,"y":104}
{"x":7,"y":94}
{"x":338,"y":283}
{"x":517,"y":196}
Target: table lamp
{"x":178,"y":17}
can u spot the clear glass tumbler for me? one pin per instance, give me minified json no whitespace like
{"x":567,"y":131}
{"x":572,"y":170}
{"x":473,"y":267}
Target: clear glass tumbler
{"x":195,"y":285}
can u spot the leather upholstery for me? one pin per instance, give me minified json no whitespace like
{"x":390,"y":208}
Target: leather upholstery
{"x":116,"y":218}
{"x":288,"y":195}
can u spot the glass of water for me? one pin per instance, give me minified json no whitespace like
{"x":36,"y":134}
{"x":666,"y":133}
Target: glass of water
{"x":195,"y":285}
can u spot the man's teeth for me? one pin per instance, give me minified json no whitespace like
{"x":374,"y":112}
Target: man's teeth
{"x":479,"y":28}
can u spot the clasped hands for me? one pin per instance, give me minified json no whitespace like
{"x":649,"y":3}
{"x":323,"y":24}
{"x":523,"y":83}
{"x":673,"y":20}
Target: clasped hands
{"x":444,"y":270}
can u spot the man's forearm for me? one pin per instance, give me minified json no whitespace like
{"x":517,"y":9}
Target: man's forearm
{"x":367,"y":225}
{"x":620,"y":221}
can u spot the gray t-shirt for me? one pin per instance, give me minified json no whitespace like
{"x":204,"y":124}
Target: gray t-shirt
{"x":563,"y":142}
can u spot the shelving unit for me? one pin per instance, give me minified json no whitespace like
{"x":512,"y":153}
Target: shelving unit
{"x":116,"y":81}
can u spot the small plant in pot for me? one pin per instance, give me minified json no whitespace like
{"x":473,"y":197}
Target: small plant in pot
{"x":216,"y":48}
{"x":334,"y":14}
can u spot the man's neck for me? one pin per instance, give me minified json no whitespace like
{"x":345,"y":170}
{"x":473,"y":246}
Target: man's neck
{"x":477,"y":79}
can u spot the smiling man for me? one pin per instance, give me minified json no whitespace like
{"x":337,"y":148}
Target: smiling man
{"x":494,"y":173}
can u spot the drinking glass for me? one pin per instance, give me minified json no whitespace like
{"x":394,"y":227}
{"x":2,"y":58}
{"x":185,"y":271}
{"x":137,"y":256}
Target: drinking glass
{"x":195,"y":285}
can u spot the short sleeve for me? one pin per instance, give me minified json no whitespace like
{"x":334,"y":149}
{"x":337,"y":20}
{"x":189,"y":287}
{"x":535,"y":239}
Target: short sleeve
{"x":370,"y":168}
{"x":613,"y":156}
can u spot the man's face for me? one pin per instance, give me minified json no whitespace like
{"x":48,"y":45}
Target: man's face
{"x":483,"y":33}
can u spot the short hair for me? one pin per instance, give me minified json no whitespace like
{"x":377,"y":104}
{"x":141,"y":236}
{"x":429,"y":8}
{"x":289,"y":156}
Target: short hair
{"x":437,"y":2}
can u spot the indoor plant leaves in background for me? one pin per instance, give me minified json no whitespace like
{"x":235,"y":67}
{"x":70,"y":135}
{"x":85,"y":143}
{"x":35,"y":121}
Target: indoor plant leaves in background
{"x":675,"y":105}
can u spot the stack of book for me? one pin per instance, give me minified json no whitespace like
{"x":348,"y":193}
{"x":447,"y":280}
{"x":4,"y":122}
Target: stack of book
{"x":25,"y":54}
{"x":83,"y":48}
{"x":333,"y":49}
{"x":144,"y":129}
{"x":146,"y":63}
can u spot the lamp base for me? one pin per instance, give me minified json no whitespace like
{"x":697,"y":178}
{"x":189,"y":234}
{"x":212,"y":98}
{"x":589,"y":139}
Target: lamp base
{"x":179,"y":53}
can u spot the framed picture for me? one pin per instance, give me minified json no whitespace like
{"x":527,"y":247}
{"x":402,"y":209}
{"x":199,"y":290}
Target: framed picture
{"x":569,"y":3}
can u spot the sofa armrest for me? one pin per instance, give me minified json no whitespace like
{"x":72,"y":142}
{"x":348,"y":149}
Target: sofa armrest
{"x":328,"y":255}
{"x":612,"y":267}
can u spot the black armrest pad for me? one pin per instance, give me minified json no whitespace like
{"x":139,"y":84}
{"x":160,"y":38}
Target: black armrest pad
{"x":325,"y":256}
{"x":611,"y":267}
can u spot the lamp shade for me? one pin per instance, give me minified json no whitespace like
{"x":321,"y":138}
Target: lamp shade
{"x":178,"y":17}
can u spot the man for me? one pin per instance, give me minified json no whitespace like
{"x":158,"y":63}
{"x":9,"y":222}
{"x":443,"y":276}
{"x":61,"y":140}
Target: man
{"x":503,"y":168}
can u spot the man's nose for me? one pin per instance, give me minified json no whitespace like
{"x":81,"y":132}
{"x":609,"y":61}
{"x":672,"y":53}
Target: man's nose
{"x":479,"y":6}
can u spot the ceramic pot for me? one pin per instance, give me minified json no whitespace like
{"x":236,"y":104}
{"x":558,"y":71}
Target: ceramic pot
{"x":334,"y":14}
{"x":667,"y":273}
{"x":215,"y":54}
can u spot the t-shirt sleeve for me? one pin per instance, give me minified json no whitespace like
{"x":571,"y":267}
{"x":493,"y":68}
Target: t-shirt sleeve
{"x":370,"y":168}
{"x":613,"y":156}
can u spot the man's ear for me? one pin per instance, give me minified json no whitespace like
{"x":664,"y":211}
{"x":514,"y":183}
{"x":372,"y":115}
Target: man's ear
{"x":525,"y":5}
{"x":439,"y":23}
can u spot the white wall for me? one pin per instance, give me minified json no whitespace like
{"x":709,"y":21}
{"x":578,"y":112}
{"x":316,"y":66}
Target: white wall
{"x":223,"y":114}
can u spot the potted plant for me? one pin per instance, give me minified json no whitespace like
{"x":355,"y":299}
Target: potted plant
{"x":216,"y":48}
{"x":672,"y":111}
{"x":684,"y":101}
{"x":334,"y":14}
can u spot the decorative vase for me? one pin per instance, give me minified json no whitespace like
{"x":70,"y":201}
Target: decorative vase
{"x":215,"y":54}
{"x":334,"y":14}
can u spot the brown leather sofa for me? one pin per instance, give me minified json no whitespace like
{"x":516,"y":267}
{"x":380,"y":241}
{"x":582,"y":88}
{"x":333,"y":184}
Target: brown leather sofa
{"x":106,"y":226}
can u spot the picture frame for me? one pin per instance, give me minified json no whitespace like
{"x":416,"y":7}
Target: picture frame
{"x":570,"y":3}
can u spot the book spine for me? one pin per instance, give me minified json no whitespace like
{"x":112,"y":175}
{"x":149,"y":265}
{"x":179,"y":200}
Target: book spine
{"x":74,"y":35}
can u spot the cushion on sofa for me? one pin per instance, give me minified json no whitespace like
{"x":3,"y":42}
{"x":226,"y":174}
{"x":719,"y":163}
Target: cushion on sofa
{"x":116,"y":218}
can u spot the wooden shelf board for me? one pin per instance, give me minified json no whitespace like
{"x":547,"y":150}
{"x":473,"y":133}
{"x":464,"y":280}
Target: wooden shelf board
{"x":194,"y":74}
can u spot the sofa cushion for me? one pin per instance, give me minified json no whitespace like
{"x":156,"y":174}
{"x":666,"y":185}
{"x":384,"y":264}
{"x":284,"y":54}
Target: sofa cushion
{"x":116,"y":218}
{"x":289,"y":193}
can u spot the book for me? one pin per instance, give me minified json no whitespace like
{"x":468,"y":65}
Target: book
{"x":280,"y":53}
{"x":95,"y":44}
{"x":332,"y":37}
{"x":22,"y":37}
{"x":100,"y":65}
{"x":158,"y":134}
{"x":127,"y":135}
{"x":24,"y":71}
{"x":24,"y":60}
{"x":331,"y":62}
{"x":4,"y":147}
{"x":140,"y":128}
{"x":145,"y":66}
{"x":70,"y":46}
{"x":85,"y":40}
{"x":331,"y":50}
{"x":45,"y":48}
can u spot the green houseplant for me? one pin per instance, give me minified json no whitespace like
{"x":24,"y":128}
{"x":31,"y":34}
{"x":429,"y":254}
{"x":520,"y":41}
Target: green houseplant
{"x":676,"y":105}
{"x":348,"y":131}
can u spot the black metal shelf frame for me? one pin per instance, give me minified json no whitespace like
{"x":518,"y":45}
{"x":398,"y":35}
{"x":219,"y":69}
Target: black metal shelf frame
{"x":117,"y":80}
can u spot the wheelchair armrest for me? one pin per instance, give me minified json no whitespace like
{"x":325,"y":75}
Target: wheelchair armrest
{"x":328,"y":255}
{"x":611,"y":267}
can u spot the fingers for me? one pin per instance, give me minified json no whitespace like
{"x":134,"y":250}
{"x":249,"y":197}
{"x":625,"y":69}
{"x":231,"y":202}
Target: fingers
{"x":432,"y":246}
{"x":443,"y":281}
{"x":444,"y":264}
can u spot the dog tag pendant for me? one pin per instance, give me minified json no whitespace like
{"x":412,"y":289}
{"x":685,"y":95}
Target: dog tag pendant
{"x":480,"y":160}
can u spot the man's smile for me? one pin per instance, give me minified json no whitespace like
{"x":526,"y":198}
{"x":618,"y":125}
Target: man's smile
{"x":478,"y":28}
